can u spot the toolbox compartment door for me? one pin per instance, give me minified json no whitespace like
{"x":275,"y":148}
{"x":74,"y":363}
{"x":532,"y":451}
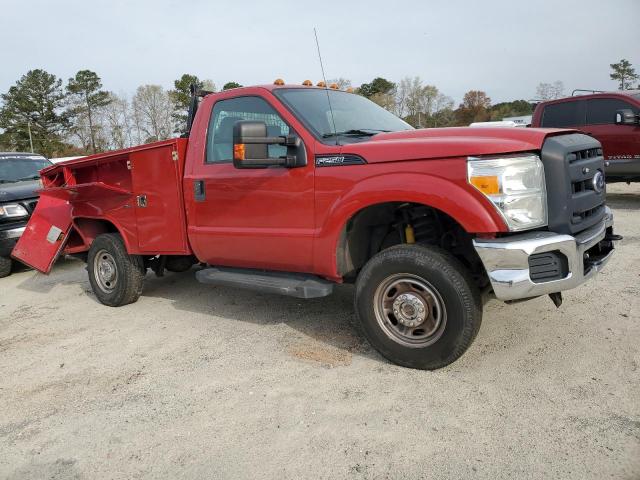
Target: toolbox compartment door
{"x":46,"y":233}
{"x":157,"y":182}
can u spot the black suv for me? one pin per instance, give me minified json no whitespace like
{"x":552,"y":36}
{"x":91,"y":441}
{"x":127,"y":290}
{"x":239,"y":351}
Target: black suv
{"x":18,"y":184}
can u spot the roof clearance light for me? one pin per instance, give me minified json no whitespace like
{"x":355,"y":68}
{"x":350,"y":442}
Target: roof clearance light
{"x":278,"y":81}
{"x":334,"y":86}
{"x":307,"y":83}
{"x":349,"y":90}
{"x":321,"y":84}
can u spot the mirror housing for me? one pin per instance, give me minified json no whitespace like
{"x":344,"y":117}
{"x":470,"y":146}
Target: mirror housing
{"x":627,"y":117}
{"x":251,"y":147}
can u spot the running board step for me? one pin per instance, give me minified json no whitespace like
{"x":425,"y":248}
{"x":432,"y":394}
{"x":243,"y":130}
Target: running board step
{"x":297,"y":285}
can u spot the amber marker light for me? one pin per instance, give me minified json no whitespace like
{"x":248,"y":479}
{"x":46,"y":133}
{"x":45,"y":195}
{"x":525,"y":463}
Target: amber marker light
{"x":349,"y":90}
{"x":307,"y":83}
{"x":278,"y":81}
{"x":321,"y":84}
{"x":489,"y":185}
{"x":238,"y":151}
{"x":334,"y":86}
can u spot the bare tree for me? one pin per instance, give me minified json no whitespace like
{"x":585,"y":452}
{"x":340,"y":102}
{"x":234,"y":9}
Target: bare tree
{"x":152,"y":112}
{"x":119,"y":122}
{"x":550,"y":91}
{"x":343,"y":83}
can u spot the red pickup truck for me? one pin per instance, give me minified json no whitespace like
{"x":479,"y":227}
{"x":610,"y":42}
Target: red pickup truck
{"x":292,"y":189}
{"x":613,"y":118}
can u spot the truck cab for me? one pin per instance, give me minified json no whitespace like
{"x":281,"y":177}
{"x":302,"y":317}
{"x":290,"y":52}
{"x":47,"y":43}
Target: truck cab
{"x":595,"y":114}
{"x":292,"y":189}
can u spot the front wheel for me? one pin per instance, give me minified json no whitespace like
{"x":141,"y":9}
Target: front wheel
{"x":115,"y":276}
{"x":418,"y":306}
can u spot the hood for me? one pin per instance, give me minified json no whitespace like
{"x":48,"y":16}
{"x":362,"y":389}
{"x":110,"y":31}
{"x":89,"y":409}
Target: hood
{"x":449,"y":142}
{"x":10,"y":192}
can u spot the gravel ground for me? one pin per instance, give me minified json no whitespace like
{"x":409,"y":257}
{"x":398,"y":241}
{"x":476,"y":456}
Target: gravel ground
{"x":201,"y":382}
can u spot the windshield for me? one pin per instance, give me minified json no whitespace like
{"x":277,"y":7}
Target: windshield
{"x":355,"y":116}
{"x":16,"y":169}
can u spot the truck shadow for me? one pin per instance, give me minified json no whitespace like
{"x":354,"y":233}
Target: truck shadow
{"x":66,"y":271}
{"x":329,"y":332}
{"x":623,"y":201}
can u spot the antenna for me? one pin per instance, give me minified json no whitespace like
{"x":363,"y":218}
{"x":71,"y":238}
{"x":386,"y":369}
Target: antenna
{"x":325,"y":86}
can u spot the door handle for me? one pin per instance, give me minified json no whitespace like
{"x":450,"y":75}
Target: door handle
{"x":199,"y":193}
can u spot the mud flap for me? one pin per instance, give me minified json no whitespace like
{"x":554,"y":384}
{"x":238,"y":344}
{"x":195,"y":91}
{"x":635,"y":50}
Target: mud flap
{"x":46,"y":233}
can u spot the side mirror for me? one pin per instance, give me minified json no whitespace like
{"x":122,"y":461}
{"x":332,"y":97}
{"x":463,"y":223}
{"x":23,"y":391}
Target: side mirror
{"x":251,"y":146}
{"x":627,"y":117}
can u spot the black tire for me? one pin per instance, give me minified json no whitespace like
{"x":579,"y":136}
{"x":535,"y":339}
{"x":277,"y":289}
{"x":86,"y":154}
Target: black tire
{"x":179,"y":264}
{"x":115,"y":276}
{"x":433,"y":282}
{"x":5,"y":266}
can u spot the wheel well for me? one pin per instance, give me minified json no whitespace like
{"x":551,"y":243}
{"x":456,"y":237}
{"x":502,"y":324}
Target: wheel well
{"x":85,"y":230}
{"x":378,"y":227}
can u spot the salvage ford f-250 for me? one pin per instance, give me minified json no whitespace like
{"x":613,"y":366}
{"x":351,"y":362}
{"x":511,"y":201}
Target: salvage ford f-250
{"x":292,"y":189}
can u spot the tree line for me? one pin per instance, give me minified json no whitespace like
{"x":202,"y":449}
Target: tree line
{"x":42,"y":114}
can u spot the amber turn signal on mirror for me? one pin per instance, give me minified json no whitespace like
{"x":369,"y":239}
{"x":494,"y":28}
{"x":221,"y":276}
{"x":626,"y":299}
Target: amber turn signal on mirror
{"x":238,"y":151}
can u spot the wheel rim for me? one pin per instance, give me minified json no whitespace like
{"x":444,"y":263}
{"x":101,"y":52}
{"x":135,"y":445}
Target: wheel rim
{"x":410,"y":310}
{"x":105,"y":271}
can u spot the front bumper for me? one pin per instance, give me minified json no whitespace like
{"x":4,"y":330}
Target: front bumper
{"x":8,"y":240}
{"x":506,"y":259}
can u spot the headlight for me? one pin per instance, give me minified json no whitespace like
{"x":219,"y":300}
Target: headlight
{"x":515,"y":185}
{"x":13,"y":210}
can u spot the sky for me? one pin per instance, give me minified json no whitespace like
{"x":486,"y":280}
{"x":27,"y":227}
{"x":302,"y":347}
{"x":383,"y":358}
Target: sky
{"x":502,"y":47}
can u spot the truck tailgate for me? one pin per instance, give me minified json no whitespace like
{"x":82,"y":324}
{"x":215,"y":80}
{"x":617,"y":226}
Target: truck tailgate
{"x":46,"y":233}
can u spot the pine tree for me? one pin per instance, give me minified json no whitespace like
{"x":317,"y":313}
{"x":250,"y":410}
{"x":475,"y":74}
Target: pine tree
{"x":36,"y":102}
{"x":85,"y":89}
{"x":181,"y":96}
{"x":624,"y":73}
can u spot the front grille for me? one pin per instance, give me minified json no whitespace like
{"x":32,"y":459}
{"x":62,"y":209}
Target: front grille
{"x":570,"y":164}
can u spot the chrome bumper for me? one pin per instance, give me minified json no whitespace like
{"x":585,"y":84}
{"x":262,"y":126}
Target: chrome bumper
{"x":506,"y":260}
{"x":12,"y":233}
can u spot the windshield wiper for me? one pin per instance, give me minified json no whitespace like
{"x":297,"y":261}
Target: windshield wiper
{"x":368,"y":132}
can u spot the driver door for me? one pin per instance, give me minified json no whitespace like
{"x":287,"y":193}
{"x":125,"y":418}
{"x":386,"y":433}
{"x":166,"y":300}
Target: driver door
{"x":252,"y":218}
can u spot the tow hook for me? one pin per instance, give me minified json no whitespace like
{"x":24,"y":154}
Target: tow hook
{"x":556,"y":298}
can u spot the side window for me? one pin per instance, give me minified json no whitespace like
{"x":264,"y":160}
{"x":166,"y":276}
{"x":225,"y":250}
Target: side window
{"x":227,"y":112}
{"x":565,"y":114}
{"x":602,"y":111}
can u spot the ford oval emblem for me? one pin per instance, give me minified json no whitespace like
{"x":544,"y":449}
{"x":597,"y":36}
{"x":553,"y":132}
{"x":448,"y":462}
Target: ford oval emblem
{"x":598,"y":182}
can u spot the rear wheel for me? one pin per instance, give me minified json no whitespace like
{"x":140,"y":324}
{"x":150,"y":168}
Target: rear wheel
{"x":418,"y":306}
{"x":5,"y":266}
{"x":115,"y":276}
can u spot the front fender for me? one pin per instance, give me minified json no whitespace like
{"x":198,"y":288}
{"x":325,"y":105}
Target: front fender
{"x":458,"y":200}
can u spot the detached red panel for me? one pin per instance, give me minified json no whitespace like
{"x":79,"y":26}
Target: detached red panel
{"x":46,"y":233}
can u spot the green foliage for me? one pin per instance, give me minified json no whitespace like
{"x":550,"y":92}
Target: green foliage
{"x":624,"y":74}
{"x":181,"y":97}
{"x":230,"y":85}
{"x":85,"y":90}
{"x":510,"y":109}
{"x":474,"y":108}
{"x":378,"y":86}
{"x":38,"y":100}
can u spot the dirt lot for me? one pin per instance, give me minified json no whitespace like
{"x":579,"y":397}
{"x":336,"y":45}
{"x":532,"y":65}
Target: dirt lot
{"x":201,"y":382}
